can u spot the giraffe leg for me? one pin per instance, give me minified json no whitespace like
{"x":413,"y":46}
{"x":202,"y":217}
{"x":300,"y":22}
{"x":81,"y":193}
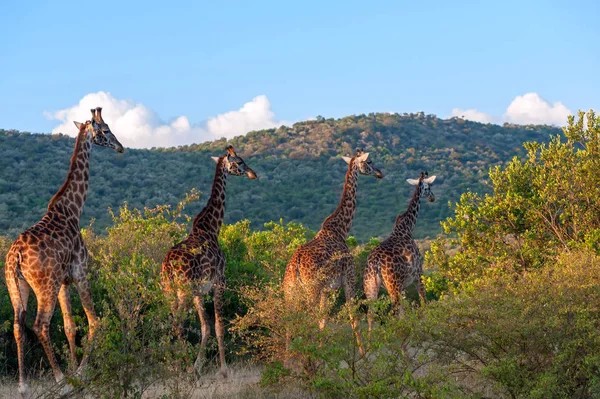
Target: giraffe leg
{"x":172,"y":297}
{"x":219,"y":328}
{"x":64,"y":299}
{"x":372,"y":284}
{"x":19,"y":294}
{"x":396,"y":299}
{"x":348,"y":282}
{"x":393,"y":284}
{"x":177,"y":328}
{"x":199,"y":304}
{"x":322,"y":303}
{"x":41,"y":327}
{"x":179,"y":305}
{"x":288,"y":341}
{"x":289,"y":284}
{"x":421,"y":289}
{"x":85,"y":293}
{"x":287,"y":297}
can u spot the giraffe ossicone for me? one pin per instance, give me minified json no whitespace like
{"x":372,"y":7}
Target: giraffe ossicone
{"x":50,"y":255}
{"x":198,"y":262}
{"x":427,"y":181}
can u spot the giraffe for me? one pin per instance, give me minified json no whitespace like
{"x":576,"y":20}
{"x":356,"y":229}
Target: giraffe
{"x":396,"y":260}
{"x":50,"y":255}
{"x":327,"y":255}
{"x":199,"y":260}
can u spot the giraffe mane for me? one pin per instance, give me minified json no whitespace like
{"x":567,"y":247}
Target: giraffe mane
{"x":200,"y":216}
{"x":348,"y":173}
{"x":76,"y":150}
{"x":413,"y":198}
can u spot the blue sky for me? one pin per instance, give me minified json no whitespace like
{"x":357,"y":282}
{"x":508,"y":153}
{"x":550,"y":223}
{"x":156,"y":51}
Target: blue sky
{"x":200,"y":60}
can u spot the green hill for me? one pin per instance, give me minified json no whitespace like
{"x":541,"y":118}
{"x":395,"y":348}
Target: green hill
{"x":301,"y":175}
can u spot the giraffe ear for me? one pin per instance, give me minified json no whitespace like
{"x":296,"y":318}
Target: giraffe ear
{"x":347,"y":159}
{"x":429,"y":180}
{"x":216,"y":159}
{"x":364,"y":156}
{"x":78,"y":124}
{"x":414,"y":182}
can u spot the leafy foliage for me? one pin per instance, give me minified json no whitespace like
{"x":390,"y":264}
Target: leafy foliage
{"x":134,"y":339}
{"x":537,"y":336}
{"x":327,"y":361}
{"x":542,"y":204}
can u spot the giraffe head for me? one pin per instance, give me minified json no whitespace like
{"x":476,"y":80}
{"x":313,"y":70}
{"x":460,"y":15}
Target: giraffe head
{"x":235,"y":165}
{"x":101,"y":134}
{"x":364,"y":164}
{"x":426,"y":181}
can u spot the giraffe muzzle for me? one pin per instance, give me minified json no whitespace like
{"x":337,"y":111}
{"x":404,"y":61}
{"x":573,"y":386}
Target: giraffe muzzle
{"x":251,"y":174}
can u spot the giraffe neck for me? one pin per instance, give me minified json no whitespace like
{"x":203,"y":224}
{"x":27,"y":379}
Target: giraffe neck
{"x":405,"y":223}
{"x":210,"y":219}
{"x":70,"y":198}
{"x":340,"y":221}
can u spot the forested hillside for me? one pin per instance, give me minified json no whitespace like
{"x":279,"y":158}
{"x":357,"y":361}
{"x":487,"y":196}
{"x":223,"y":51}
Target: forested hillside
{"x":301,"y":174}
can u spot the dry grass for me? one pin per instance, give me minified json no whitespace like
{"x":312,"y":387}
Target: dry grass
{"x":243,"y":382}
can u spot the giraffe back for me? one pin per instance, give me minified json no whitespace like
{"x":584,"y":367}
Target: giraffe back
{"x":396,"y":258}
{"x":197,"y":259}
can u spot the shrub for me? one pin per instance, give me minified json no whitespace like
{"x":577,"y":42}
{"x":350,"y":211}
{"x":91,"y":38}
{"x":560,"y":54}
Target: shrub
{"x":535,"y":336}
{"x":327,"y":361}
{"x":133,"y":348}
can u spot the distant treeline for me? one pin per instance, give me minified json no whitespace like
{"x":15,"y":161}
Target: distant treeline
{"x":301,"y":175}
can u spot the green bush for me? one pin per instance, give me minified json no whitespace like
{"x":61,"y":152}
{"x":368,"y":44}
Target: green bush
{"x":536,"y":336}
{"x":254,"y":257}
{"x":133,"y":348}
{"x":517,"y":274}
{"x":327,"y":362}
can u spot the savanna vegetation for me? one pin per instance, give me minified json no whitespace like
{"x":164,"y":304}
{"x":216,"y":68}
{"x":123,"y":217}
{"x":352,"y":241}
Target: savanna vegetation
{"x":513,"y":283}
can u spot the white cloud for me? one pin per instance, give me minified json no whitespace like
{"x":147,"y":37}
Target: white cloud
{"x":531,"y":108}
{"x":472,"y":115}
{"x":138,"y":126}
{"x":527,"y":109}
{"x":254,"y":115}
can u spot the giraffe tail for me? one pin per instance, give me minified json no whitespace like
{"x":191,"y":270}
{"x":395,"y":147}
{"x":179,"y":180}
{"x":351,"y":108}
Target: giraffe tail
{"x":292,"y":272}
{"x":372,"y":276}
{"x":13,"y":264}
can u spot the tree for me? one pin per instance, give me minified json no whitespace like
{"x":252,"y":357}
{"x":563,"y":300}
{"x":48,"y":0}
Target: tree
{"x":542,"y":204}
